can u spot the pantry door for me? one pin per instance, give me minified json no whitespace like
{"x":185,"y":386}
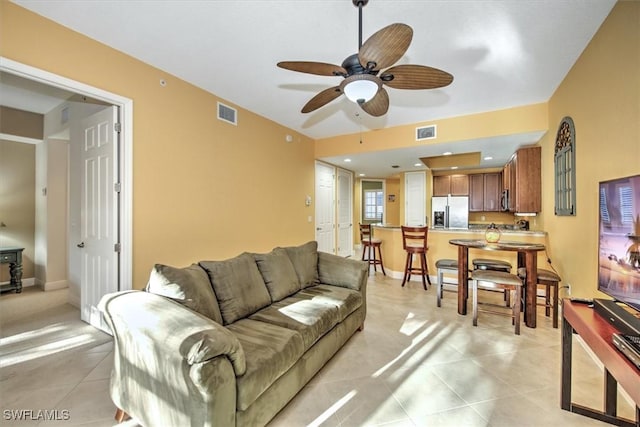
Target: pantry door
{"x":415,"y":199}
{"x":325,"y":208}
{"x":345,"y":213}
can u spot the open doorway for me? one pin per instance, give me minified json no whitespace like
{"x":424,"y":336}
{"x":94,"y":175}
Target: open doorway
{"x":85,"y":285}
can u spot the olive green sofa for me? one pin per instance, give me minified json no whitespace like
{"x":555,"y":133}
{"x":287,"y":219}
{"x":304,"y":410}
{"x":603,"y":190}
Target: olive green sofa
{"x":230,"y":343}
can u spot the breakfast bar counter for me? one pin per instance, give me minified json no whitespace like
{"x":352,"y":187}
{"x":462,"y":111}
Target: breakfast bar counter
{"x":439,"y":247}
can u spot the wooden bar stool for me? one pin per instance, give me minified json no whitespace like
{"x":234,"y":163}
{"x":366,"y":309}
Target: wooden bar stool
{"x":414,"y":241}
{"x":442,"y":266}
{"x":551,"y":282}
{"x":495,"y":265}
{"x":491,"y":264}
{"x":369,"y":245}
{"x":491,"y":279}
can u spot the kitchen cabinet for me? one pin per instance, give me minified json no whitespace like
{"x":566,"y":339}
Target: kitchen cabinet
{"x":484,"y":192}
{"x":456,"y":185}
{"x":492,"y":192}
{"x":476,"y":192}
{"x":524,"y":181}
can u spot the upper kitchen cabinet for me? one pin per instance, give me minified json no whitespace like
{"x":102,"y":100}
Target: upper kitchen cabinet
{"x":484,"y":192}
{"x":456,"y":185}
{"x":521,"y":177}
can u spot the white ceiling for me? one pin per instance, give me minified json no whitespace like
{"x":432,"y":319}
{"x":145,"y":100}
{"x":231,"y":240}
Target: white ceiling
{"x":502,"y":53}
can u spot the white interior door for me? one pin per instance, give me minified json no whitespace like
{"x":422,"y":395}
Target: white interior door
{"x":99,"y":213}
{"x":415,"y":198}
{"x":325,"y":208}
{"x":345,"y":213}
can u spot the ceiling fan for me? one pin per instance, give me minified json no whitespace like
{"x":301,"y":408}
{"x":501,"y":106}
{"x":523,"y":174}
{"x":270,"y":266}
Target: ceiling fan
{"x":363,"y":72}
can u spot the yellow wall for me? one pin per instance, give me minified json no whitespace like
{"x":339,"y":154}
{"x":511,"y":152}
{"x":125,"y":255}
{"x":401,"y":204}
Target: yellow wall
{"x":392,"y":208}
{"x":529,"y":118}
{"x":602,"y":95}
{"x":203,"y":189}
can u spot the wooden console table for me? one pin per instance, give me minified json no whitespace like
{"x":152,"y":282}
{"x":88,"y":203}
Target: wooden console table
{"x":597,"y":334}
{"x":13,"y":257}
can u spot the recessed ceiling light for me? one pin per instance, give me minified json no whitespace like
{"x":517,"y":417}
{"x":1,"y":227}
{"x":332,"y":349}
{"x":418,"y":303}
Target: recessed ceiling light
{"x":417,"y":165}
{"x":361,"y":174}
{"x":347,"y":160}
{"x":454,"y":167}
{"x":488,"y":158}
{"x":447,"y":153}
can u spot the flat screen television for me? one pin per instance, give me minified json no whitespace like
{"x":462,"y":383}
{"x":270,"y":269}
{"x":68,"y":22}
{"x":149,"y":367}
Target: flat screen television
{"x":619,"y":240}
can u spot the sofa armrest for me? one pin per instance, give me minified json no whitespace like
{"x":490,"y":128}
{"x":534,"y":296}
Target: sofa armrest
{"x":182,"y":331}
{"x":172,"y":366}
{"x":338,"y":271}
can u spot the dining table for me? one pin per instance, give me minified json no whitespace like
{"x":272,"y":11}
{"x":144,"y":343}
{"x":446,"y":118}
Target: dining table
{"x":527,"y":259}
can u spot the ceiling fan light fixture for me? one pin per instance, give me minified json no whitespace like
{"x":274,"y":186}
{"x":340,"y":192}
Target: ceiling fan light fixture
{"x":360,"y":88}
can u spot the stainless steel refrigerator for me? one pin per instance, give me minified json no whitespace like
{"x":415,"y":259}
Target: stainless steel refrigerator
{"x":450,"y":212}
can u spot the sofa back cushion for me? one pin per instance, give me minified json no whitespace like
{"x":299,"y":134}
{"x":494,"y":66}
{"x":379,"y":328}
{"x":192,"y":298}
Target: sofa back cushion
{"x":189,"y":286}
{"x":305,"y":262}
{"x":278,"y":273}
{"x":238,"y":286}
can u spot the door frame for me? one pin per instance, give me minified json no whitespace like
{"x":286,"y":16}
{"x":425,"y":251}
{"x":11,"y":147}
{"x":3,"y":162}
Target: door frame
{"x":126,"y":151}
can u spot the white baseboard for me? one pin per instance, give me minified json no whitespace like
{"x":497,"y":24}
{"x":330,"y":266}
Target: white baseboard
{"x":29,"y":281}
{"x":400,"y":274}
{"x":54,"y":286}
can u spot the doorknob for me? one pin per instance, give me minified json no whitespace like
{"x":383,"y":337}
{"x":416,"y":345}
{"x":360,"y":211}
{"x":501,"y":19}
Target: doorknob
{"x":80,"y":245}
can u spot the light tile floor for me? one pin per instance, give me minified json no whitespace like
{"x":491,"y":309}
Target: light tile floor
{"x":413,"y":365}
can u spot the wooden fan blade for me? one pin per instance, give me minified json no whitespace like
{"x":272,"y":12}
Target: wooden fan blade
{"x":321,"y":99}
{"x":319,"y":68}
{"x":378,"y":105}
{"x":416,"y":77}
{"x":386,"y":46}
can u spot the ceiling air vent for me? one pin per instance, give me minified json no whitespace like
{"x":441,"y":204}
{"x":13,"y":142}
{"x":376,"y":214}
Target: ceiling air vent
{"x":426,"y":132}
{"x":227,"y":114}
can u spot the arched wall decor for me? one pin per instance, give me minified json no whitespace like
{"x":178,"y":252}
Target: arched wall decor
{"x":565,"y":168}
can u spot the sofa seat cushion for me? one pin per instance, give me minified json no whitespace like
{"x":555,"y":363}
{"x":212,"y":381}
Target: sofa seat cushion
{"x":312,"y":312}
{"x":238,"y":286}
{"x":346,"y":300}
{"x":270,"y":351}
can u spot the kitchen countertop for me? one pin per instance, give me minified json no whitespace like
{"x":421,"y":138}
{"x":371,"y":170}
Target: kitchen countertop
{"x":473,"y":229}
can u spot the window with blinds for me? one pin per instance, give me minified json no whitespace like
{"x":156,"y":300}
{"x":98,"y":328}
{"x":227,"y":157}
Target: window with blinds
{"x":373,"y":204}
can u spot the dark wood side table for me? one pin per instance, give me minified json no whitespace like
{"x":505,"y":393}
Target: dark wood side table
{"x":13,"y":257}
{"x":597,"y":334}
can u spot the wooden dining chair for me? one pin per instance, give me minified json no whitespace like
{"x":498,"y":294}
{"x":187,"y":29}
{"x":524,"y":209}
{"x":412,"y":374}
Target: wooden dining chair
{"x":414,"y":242}
{"x":369,"y":246}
